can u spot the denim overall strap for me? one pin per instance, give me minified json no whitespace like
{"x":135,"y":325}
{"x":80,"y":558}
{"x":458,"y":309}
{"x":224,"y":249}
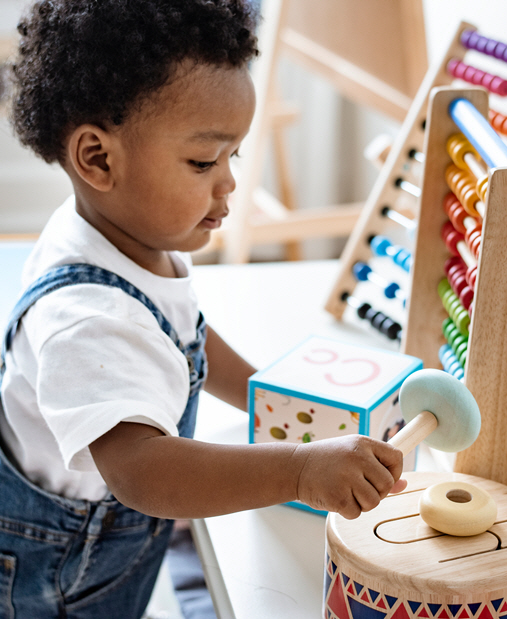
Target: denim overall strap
{"x":82,"y":273}
{"x":72,"y":274}
{"x":72,"y":558}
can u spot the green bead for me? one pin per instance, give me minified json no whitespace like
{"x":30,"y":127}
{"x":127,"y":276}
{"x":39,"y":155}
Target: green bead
{"x":462,"y":321}
{"x":447,"y":324}
{"x":454,"y":309}
{"x":443,"y":286}
{"x":463,"y":358}
{"x":462,"y":348}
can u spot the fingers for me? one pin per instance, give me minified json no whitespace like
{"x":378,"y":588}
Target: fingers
{"x":391,"y":458}
{"x":399,"y":486}
{"x":382,"y":479}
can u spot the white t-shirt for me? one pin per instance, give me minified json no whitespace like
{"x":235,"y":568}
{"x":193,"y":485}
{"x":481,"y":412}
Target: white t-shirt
{"x":88,"y":356}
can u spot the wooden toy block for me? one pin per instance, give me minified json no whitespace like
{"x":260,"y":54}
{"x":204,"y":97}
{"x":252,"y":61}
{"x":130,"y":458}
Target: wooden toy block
{"x":389,"y":564}
{"x":326,"y":388}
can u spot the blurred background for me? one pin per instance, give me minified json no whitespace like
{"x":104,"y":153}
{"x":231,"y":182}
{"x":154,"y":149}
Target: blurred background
{"x":325,"y":145}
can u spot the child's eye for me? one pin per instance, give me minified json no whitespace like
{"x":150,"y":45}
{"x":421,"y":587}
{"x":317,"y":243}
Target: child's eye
{"x":202,"y":165}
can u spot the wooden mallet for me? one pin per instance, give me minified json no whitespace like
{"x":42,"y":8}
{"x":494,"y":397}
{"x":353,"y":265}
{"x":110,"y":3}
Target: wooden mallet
{"x":441,"y":411}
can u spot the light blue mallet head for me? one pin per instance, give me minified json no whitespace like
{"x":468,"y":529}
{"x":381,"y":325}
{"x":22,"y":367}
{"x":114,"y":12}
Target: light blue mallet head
{"x":439,"y":410}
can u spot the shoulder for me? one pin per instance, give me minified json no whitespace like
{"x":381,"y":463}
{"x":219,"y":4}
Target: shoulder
{"x":95,"y":311}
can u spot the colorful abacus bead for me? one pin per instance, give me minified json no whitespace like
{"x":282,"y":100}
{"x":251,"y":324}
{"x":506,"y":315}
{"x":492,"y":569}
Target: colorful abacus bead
{"x":498,"y":121}
{"x":494,"y":83}
{"x":458,"y":148}
{"x":455,"y":211}
{"x":471,"y":39}
{"x":471,"y":276}
{"x":363,"y":273}
{"x":454,"y":308}
{"x":450,"y":363}
{"x":459,"y":277}
{"x":457,"y":341}
{"x":473,"y":238}
{"x":378,"y":320}
{"x":464,"y":186}
{"x":459,"y":244}
{"x":382,"y":246}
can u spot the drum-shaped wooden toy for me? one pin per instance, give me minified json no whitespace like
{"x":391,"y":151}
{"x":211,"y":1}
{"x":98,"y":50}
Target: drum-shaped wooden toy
{"x":389,"y":564}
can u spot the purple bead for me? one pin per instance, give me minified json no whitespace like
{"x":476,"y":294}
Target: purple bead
{"x":481,"y":44}
{"x":500,"y":50}
{"x":490,"y":47}
{"x":465,"y":38}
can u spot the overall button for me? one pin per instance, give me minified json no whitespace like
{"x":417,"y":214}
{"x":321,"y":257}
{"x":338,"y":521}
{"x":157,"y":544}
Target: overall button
{"x":191,"y":365}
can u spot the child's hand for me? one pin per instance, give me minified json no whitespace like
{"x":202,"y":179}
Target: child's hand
{"x":348,"y":475}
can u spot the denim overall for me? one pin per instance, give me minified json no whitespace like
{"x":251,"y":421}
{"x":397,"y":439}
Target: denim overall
{"x":75,"y":559}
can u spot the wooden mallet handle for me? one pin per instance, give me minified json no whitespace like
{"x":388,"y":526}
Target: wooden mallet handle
{"x":414,"y":432}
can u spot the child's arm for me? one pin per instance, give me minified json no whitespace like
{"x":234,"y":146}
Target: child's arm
{"x":172,"y":477}
{"x":228,"y":372}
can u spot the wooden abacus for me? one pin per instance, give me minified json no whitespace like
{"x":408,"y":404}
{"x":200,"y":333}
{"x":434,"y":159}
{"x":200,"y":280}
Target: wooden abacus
{"x":487,"y":342}
{"x":408,"y":143}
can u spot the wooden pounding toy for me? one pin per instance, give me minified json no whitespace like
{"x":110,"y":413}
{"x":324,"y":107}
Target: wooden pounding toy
{"x":439,"y":410}
{"x":457,"y":508}
{"x":389,"y":564}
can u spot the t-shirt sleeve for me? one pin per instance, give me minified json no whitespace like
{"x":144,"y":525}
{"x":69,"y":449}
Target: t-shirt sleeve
{"x":104,"y":369}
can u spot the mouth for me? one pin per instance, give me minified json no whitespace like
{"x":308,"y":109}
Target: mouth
{"x":214,"y":222}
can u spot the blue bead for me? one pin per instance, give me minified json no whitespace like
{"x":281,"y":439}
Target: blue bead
{"x":391,"y":290}
{"x":361,"y":271}
{"x":459,"y":374}
{"x":380,"y":245}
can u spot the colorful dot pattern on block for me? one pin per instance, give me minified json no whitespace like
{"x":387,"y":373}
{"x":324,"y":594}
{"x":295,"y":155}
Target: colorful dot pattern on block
{"x":346,"y":598}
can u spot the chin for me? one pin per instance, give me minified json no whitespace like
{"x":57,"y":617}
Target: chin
{"x":193,"y":244}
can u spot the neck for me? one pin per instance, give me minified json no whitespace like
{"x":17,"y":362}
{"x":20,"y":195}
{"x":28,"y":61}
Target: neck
{"x":156,"y":261}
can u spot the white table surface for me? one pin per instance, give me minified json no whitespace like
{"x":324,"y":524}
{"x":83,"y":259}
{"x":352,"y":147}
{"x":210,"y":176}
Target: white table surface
{"x":268,"y":562}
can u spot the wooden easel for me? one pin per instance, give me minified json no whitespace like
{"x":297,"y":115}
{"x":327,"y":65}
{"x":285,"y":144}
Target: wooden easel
{"x":374,"y":53}
{"x":385,"y":191}
{"x":7,"y":48}
{"x":487,"y":345}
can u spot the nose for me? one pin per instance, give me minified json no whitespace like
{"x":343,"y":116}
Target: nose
{"x":226,"y":184}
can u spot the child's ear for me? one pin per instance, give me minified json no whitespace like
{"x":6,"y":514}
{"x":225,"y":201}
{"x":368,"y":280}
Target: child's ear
{"x":91,"y":152}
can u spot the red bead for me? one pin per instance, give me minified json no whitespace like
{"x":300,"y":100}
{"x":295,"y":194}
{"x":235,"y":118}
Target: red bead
{"x":453,"y":261}
{"x":466,"y":296}
{"x":458,"y":283}
{"x":471,"y":276}
{"x":455,"y":271}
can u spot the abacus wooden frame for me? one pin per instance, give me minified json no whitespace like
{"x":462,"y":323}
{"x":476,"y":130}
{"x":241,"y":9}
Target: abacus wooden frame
{"x":485,"y":372}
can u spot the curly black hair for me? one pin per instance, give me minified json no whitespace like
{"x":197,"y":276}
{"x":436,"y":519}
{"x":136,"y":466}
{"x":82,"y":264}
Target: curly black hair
{"x":92,"y":61}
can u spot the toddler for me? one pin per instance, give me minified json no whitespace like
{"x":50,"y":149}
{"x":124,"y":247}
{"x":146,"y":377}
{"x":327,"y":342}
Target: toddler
{"x":143,"y":103}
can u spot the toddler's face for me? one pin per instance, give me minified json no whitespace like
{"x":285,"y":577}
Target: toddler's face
{"x":174,"y":177}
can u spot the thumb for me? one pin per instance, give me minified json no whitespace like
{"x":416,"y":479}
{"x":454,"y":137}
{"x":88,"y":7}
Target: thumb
{"x":399,"y":486}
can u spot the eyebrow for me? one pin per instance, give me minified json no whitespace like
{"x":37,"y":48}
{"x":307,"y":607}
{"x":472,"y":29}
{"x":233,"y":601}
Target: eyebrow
{"x":213,"y":136}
